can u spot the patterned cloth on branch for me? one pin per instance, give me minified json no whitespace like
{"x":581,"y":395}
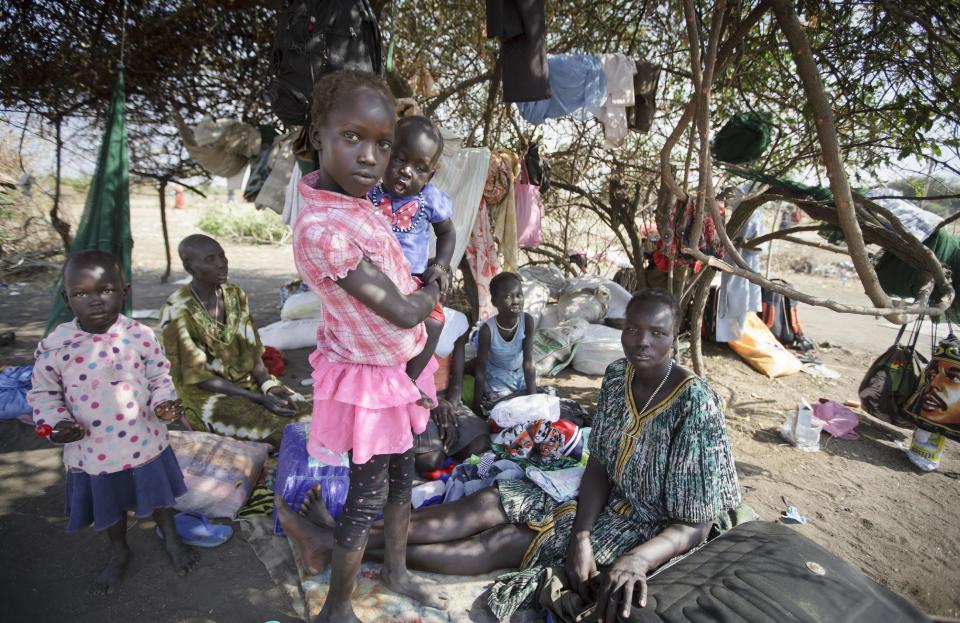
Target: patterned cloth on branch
{"x":676,"y":235}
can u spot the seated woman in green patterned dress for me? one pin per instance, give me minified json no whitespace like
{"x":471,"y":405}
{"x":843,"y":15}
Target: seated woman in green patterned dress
{"x":215,"y":353}
{"x":659,"y":476}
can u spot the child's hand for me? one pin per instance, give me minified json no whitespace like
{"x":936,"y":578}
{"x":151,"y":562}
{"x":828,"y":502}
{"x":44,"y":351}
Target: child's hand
{"x":67,"y":431}
{"x":435,"y":273}
{"x":169,"y":411}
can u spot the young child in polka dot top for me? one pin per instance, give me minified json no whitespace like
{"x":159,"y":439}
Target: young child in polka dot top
{"x":102,"y":384}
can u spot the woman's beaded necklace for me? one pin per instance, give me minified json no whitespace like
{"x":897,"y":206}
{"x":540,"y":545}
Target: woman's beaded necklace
{"x":203,"y":306}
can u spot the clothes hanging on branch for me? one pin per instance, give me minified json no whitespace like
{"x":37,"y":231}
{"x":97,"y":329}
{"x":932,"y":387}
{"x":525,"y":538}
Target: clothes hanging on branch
{"x":618,"y":72}
{"x":281,"y":164}
{"x":529,"y":211}
{"x":645,"y":83}
{"x":503,"y":215}
{"x":579,"y":89}
{"x":538,"y":167}
{"x":677,"y":233}
{"x":461,"y":174}
{"x":737,"y":296}
{"x":483,"y":260}
{"x":521,"y":26}
{"x":260,"y":165}
{"x":222,"y":147}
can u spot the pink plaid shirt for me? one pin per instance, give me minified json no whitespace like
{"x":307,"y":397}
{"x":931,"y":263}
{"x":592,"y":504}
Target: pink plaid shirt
{"x":331,"y":236}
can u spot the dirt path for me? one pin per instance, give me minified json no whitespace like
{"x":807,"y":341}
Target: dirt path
{"x":863,"y":499}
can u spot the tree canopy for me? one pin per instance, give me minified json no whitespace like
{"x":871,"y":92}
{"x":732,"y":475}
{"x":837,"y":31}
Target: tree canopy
{"x":887,"y":70}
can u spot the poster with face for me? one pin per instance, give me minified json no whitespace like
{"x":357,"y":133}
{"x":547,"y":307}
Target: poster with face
{"x":935,"y":405}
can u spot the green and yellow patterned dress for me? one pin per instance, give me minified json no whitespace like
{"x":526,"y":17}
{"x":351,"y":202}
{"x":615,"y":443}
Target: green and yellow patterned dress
{"x":672,"y":464}
{"x":200,"y":347}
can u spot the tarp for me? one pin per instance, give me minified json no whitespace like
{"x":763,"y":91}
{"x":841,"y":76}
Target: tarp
{"x":105,"y":224}
{"x":899,"y":279}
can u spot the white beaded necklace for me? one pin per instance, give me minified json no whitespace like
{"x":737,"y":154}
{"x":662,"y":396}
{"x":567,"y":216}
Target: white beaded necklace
{"x":507,"y":329}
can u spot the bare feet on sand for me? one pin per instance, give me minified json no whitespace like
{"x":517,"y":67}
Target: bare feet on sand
{"x":313,"y":543}
{"x":427,"y":592}
{"x":112,"y":574}
{"x":314,"y":509}
{"x":183,"y":558}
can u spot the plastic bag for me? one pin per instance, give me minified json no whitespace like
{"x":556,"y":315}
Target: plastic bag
{"x":535,"y":297}
{"x":553,"y":348}
{"x":801,"y":429}
{"x":837,"y":419}
{"x":290,"y":334}
{"x":301,"y":305}
{"x":298,"y":472}
{"x":599,"y":348}
{"x":548,"y":275}
{"x":15,"y":382}
{"x":591,"y":305}
{"x":619,"y":296}
{"x":759,"y":348}
{"x":523,"y":409}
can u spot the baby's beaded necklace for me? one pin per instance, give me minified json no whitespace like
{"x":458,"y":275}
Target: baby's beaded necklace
{"x":378,"y":194}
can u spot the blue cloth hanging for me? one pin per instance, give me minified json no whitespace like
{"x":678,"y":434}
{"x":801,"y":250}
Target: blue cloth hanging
{"x":578,"y":85}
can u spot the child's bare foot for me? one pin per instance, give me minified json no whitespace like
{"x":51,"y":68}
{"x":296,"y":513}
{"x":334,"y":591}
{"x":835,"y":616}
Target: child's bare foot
{"x":183,"y":557}
{"x":314,"y":509}
{"x":346,"y":615}
{"x":313,"y":543}
{"x":113,"y":572}
{"x":427,"y":592}
{"x":426,"y":401}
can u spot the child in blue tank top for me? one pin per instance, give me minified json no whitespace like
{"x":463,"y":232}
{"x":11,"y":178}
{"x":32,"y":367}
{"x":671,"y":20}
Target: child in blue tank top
{"x":505,"y":345}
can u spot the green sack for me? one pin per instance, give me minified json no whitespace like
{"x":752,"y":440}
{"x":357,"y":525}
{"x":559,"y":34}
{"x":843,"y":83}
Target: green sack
{"x":743,"y":138}
{"x":105,"y":225}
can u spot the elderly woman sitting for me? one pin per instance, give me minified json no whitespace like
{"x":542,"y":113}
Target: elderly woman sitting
{"x":660,"y":474}
{"x":215,"y":353}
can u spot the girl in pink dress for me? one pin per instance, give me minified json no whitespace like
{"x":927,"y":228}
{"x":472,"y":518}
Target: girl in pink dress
{"x":371,"y":324}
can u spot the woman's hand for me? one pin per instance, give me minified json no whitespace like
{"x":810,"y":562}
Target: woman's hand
{"x":283,"y":394}
{"x":445,"y":418}
{"x":619,"y":584}
{"x":67,"y":431}
{"x":580,"y":565}
{"x":169,"y":410}
{"x":277,"y":406}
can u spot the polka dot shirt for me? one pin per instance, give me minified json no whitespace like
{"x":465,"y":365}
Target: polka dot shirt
{"x":109,"y":383}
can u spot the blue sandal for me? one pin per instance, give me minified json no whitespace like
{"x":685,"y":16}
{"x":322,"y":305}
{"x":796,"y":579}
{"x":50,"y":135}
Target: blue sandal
{"x":195,"y":529}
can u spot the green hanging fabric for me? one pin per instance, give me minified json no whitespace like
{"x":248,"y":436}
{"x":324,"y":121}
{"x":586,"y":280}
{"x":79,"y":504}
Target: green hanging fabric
{"x":743,"y":138}
{"x":105,"y":224}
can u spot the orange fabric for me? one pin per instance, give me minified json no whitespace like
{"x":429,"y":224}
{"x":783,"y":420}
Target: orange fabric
{"x":441,"y":377}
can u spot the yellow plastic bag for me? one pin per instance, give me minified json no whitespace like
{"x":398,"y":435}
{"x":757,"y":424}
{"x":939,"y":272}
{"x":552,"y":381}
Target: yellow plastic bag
{"x":758,"y":347}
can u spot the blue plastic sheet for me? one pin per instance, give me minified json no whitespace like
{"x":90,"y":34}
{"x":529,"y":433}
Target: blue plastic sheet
{"x":14,"y":385}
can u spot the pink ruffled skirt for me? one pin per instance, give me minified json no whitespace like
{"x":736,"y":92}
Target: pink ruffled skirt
{"x":367,"y":409}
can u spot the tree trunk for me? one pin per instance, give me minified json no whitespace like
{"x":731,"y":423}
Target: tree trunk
{"x":827,"y":134}
{"x":696,"y":320}
{"x":163,"y":223}
{"x":62,"y":227}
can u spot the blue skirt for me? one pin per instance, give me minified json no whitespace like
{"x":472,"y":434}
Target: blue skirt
{"x":103,"y":500}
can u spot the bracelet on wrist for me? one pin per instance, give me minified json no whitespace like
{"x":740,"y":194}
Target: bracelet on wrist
{"x":443,"y":267}
{"x":268,"y":385}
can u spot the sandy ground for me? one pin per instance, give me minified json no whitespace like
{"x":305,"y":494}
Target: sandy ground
{"x":863,"y":499}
